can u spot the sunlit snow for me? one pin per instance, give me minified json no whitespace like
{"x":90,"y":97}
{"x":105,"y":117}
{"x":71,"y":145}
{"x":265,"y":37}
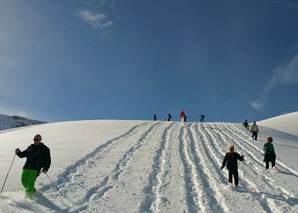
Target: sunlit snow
{"x":147,"y":166}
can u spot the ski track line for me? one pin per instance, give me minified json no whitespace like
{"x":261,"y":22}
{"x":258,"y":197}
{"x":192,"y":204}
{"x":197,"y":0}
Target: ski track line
{"x":263,"y":204}
{"x":152,"y":198}
{"x":189,"y":205}
{"x":273,"y":205}
{"x":208,"y":144}
{"x":74,"y":168}
{"x":173,"y":190}
{"x":97,"y":192}
{"x":215,"y":202}
{"x":197,"y":190}
{"x":196,"y":182}
{"x":281,"y":164}
{"x":84,"y":160}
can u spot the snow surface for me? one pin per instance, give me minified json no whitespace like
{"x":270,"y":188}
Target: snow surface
{"x":286,"y":123}
{"x":146,"y":166}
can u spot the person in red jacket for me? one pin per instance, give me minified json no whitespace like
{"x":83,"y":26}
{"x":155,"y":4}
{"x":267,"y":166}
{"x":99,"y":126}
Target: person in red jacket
{"x":182,"y":116}
{"x":232,"y":165}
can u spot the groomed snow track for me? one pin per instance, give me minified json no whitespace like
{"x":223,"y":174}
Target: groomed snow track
{"x":172,"y":167}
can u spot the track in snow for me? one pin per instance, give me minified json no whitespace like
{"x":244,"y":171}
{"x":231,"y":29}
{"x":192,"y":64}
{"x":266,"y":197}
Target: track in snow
{"x":172,"y":167}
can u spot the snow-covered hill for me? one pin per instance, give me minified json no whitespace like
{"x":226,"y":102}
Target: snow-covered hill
{"x":146,"y":166}
{"x":9,"y":122}
{"x":286,"y":123}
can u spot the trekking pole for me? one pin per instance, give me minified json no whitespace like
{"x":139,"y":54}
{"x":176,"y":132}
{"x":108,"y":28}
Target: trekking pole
{"x":8,"y":172}
{"x":55,"y":185}
{"x":243,"y":172}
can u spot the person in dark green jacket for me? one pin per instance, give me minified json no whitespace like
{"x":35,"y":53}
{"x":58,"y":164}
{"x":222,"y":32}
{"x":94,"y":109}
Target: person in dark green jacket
{"x":38,"y":159}
{"x":232,"y":165}
{"x":269,"y":153}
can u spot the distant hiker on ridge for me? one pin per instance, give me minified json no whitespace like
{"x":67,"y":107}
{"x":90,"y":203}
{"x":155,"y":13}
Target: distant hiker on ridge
{"x":182,"y":116}
{"x":246,"y":126}
{"x":154,"y":117}
{"x":232,"y":165}
{"x":202,"y":118}
{"x":254,"y":129}
{"x":38,"y":158}
{"x":269,"y":153}
{"x":169,"y":116}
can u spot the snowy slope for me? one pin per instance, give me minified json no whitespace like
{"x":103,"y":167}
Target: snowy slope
{"x":9,"y":122}
{"x":287,"y":123}
{"x":144,"y":166}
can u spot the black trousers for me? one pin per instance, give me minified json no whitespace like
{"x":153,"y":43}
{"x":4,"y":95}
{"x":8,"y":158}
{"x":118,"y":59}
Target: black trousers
{"x":235,"y":174}
{"x":255,"y":135}
{"x":272,"y":162}
{"x":270,"y":158}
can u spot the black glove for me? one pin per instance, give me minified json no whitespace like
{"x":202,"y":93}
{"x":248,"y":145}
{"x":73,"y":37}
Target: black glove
{"x":242,"y":156}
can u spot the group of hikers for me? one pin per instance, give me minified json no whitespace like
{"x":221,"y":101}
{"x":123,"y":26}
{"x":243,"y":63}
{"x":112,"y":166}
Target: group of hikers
{"x":232,"y":157}
{"x":38,"y":158}
{"x":254,"y":129}
{"x":182,"y":117}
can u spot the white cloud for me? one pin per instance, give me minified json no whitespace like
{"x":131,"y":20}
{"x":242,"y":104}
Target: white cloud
{"x":97,"y":20}
{"x":283,"y":75}
{"x":287,"y":74}
{"x":287,"y":3}
{"x":257,"y":105}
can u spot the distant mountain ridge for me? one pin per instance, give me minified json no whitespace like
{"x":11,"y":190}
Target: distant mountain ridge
{"x":10,"y":122}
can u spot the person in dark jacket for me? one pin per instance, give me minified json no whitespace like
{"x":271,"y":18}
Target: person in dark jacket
{"x":231,"y":161}
{"x":246,"y":126}
{"x":202,"y":118}
{"x":269,"y":153}
{"x":169,"y":116}
{"x":38,"y":159}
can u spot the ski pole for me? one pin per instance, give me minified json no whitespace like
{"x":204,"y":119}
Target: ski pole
{"x":243,"y":172}
{"x":54,"y":184}
{"x":8,"y":172}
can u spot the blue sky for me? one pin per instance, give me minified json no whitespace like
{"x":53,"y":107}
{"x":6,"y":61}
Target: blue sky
{"x":78,"y":60}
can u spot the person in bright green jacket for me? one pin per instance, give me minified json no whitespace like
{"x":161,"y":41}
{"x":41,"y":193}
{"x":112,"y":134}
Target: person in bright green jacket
{"x":269,"y":153}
